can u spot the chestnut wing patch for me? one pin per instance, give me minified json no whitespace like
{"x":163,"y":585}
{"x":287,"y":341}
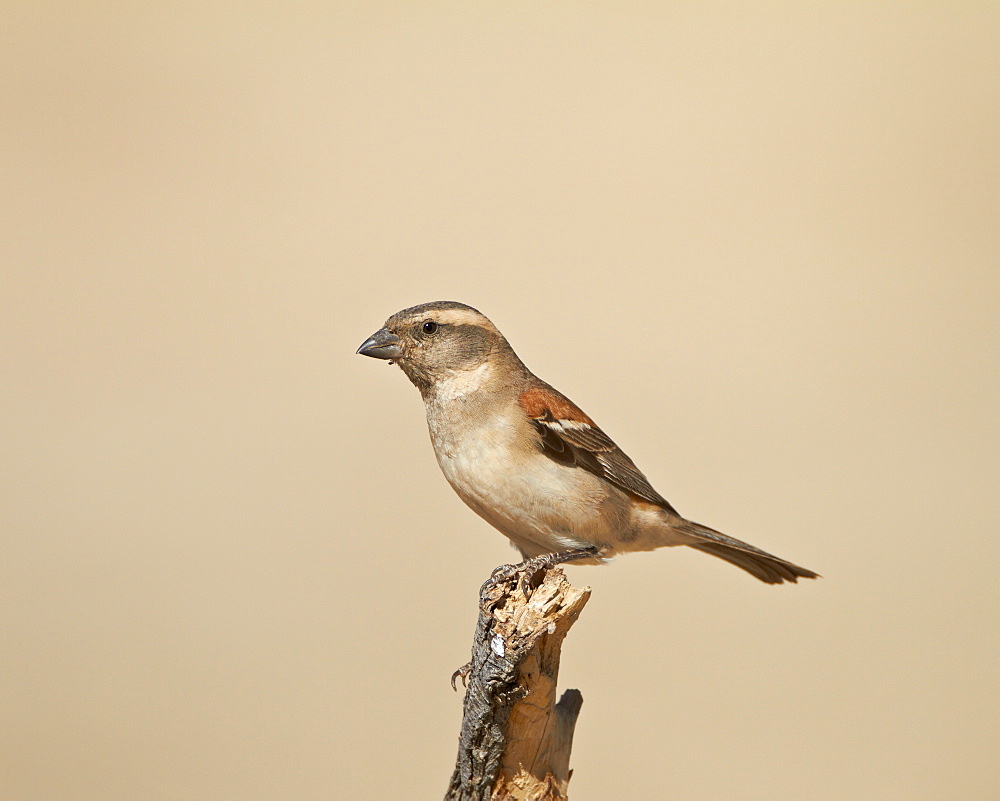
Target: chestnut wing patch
{"x":571,"y":437}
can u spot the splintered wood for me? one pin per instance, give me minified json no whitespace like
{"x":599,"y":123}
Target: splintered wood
{"x":516,"y":740}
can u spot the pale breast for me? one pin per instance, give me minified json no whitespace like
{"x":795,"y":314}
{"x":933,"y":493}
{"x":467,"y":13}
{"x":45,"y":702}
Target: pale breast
{"x":545,"y":503}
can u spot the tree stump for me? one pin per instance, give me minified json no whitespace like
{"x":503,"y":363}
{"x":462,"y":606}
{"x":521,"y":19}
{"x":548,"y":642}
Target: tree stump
{"x":516,"y":740}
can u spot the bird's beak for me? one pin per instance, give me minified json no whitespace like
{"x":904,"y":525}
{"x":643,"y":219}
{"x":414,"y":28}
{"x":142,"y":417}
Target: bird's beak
{"x":383,"y":344}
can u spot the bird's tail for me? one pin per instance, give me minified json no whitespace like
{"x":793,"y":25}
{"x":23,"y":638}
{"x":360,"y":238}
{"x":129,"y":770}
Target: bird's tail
{"x":769,"y":569}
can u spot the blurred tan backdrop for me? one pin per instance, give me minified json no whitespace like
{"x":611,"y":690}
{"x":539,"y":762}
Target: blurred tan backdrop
{"x":759,"y":244}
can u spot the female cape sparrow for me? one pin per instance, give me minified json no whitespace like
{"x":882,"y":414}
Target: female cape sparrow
{"x":526,"y":458}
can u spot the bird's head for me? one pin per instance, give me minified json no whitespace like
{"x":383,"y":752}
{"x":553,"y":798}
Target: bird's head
{"x":438,"y":343}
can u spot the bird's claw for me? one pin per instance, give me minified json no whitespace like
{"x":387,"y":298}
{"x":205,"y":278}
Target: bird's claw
{"x":462,"y":673}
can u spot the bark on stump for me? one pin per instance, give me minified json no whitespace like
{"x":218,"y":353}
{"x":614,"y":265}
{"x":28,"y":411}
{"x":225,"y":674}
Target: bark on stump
{"x":516,"y":740}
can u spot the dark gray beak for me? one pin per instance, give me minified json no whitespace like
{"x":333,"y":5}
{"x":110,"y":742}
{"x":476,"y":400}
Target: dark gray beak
{"x":383,"y":344}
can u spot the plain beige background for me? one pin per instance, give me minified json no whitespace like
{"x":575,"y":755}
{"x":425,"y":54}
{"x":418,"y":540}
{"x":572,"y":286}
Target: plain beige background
{"x":758,"y":243}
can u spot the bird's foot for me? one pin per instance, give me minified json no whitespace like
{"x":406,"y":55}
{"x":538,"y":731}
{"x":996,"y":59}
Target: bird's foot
{"x":528,"y":570}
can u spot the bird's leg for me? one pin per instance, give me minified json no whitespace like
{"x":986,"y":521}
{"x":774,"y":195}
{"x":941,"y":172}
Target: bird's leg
{"x":552,"y":559}
{"x":529,"y":568}
{"x":539,"y":564}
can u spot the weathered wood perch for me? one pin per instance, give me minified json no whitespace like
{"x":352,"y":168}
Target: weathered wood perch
{"x":516,"y":740}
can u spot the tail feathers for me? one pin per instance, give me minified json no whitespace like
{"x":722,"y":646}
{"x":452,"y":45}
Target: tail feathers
{"x":760,"y":564}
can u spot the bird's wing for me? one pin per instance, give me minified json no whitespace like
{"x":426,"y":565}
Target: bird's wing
{"x":571,"y":437}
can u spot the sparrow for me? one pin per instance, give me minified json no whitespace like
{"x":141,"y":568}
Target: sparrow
{"x":528,"y":460}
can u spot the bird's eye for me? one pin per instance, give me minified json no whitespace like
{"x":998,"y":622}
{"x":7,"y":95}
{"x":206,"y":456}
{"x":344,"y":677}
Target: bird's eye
{"x":430,"y":327}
